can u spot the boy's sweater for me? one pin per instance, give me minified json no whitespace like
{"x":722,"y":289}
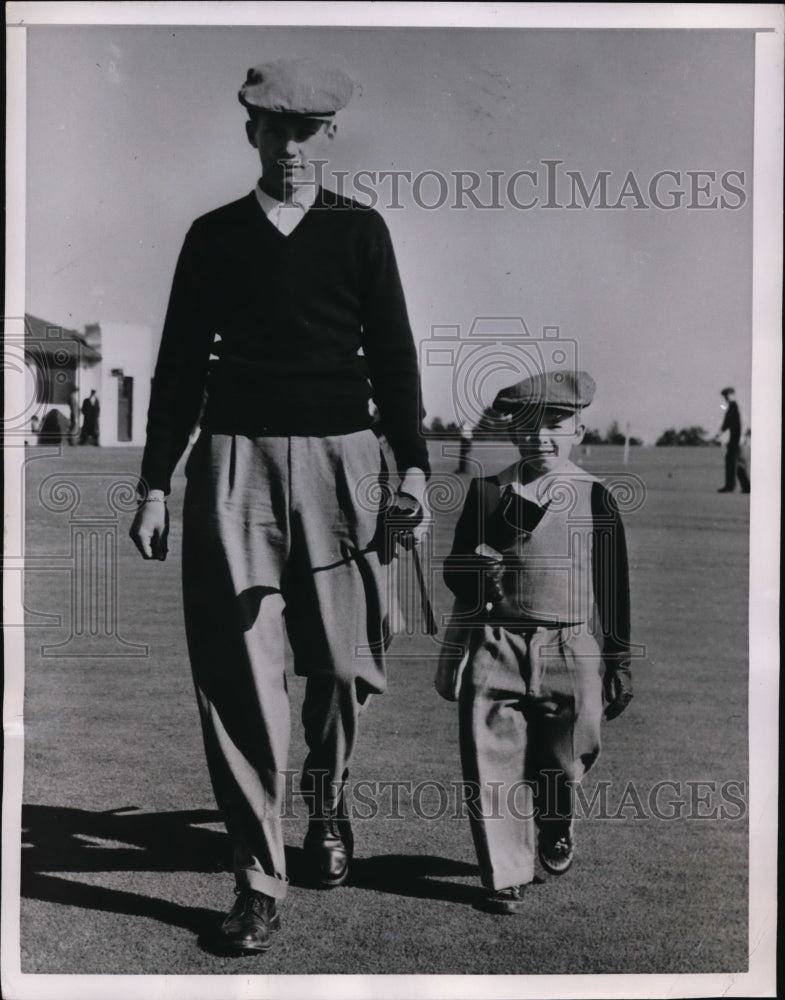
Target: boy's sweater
{"x":565,"y":557}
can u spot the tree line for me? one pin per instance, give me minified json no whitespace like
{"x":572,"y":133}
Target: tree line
{"x":489,"y":426}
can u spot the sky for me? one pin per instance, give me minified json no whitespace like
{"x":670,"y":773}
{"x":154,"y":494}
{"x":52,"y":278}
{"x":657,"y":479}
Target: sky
{"x":135,"y":131}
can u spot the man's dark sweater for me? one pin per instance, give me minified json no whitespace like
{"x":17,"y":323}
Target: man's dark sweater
{"x":284,"y":318}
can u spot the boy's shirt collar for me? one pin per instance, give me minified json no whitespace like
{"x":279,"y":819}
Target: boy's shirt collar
{"x":539,"y":490}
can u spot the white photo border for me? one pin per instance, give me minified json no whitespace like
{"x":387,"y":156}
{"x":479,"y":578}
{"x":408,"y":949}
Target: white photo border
{"x":767,"y":20}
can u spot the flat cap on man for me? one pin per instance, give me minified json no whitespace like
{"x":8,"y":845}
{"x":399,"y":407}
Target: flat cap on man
{"x":724,"y":392}
{"x":560,"y":390}
{"x":296,"y":87}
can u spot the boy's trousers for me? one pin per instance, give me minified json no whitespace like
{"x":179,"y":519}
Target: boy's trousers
{"x":277,"y":536}
{"x":530,"y":708}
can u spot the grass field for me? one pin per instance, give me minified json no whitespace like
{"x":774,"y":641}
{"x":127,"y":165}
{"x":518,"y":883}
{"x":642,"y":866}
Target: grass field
{"x":124,"y":862}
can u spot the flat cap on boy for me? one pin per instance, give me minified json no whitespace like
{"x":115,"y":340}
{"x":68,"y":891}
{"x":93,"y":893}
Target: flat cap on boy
{"x":561,"y":390}
{"x":296,"y":87}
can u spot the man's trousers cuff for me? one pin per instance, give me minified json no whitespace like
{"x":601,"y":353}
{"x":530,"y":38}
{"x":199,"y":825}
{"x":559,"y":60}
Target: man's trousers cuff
{"x":502,"y":878}
{"x":248,"y":878}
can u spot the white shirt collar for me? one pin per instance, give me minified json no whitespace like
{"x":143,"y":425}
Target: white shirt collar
{"x":302,"y":198}
{"x":539,"y":490}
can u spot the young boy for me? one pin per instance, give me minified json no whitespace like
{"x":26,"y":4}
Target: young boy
{"x":539,"y":570}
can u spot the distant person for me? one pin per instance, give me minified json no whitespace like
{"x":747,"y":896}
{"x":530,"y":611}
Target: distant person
{"x":53,"y":428}
{"x":745,"y":454}
{"x":466,"y":446}
{"x":530,"y":694}
{"x":91,"y":410}
{"x":35,"y":425}
{"x":735,"y":467}
{"x":73,"y":410}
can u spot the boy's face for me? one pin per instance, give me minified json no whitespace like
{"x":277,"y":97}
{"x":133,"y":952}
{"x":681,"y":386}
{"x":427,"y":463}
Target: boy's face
{"x":287,"y":145}
{"x":547,"y":446}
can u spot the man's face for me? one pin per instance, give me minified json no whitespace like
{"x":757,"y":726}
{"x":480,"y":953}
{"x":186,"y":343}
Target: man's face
{"x":287,"y":145}
{"x":547,"y":445}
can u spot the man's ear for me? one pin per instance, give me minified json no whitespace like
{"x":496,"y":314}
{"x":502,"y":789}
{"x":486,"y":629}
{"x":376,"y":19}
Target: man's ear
{"x":250,"y":131}
{"x":330,"y":131}
{"x":580,"y":430}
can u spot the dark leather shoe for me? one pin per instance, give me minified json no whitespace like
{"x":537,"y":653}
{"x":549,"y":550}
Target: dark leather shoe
{"x":506,"y":901}
{"x":248,"y":925}
{"x":329,"y":845}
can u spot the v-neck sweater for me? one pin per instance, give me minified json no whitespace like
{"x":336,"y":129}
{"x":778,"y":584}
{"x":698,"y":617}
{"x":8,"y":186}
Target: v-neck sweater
{"x":285,"y":335}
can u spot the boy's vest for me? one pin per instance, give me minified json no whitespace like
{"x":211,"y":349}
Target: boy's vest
{"x":548,"y":564}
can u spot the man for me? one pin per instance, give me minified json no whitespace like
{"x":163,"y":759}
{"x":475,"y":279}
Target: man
{"x":734,"y":464}
{"x":294,"y":292}
{"x":73,"y":411}
{"x":465,"y":434}
{"x":91,"y":410}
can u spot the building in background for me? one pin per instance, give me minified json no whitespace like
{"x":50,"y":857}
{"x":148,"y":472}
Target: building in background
{"x":63,"y":366}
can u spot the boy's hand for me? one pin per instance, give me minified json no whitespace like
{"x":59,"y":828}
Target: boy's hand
{"x":492,"y":574}
{"x":491,"y":566}
{"x":618,"y":689}
{"x":150,"y":530}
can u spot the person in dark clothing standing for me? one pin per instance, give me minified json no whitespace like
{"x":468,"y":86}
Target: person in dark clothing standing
{"x":465,"y":436}
{"x":73,"y":412}
{"x":735,"y":466}
{"x":286,"y":316}
{"x":91,"y":410}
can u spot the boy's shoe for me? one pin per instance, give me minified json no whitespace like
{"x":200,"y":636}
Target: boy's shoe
{"x":248,"y":925}
{"x":508,"y":900}
{"x":556,"y":856}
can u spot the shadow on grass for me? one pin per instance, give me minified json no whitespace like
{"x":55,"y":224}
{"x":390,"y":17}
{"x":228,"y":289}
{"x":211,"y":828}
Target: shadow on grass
{"x":51,"y":889}
{"x":61,"y":840}
{"x":416,"y":875}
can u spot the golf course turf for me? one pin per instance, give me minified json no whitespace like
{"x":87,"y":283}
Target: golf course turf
{"x":125,"y":868}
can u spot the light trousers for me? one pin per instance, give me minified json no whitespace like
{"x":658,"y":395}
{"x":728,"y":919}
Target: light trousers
{"x":278,"y":542}
{"x":530,"y":708}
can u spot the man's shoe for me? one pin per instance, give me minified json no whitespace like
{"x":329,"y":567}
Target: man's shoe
{"x":556,"y":856}
{"x":328,"y":846}
{"x":725,"y":490}
{"x":508,"y":900}
{"x":248,"y":925}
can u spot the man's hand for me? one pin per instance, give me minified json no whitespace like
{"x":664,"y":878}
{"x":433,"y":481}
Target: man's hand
{"x":618,"y":689}
{"x":409,"y":512}
{"x":150,"y":527}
